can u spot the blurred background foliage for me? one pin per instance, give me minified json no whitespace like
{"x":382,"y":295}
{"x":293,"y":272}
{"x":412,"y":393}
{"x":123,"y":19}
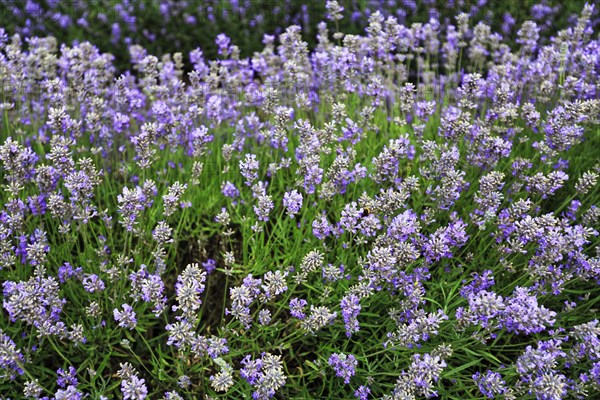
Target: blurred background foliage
{"x":181,"y":26}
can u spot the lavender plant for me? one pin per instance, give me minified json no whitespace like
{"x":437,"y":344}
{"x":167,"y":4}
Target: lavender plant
{"x":407,"y":213}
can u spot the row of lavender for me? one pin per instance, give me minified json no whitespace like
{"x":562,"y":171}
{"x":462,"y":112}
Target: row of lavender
{"x":168,"y":26}
{"x":128,"y":17}
{"x":364,"y":220}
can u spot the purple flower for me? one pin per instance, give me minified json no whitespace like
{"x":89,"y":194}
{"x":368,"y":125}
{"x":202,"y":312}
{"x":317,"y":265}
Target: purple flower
{"x":484,"y":308}
{"x":265,"y":374}
{"x":292,"y":201}
{"x":11,"y":358}
{"x":223,"y":41}
{"x":241,"y":298}
{"x":251,"y":370}
{"x":312,"y":177}
{"x":595,"y":372}
{"x":369,"y":225}
{"x":92,"y":283}
{"x":264,"y":317}
{"x":422,"y":325}
{"x":217,"y":346}
{"x":67,"y":271}
{"x":550,"y":386}
{"x":424,"y":370}
{"x":180,"y":333}
{"x":209,"y":265}
{"x":189,"y":288}
{"x":144,"y":143}
{"x":424,"y":109}
{"x":388,"y":162}
{"x":66,"y":378}
{"x":151,"y":289}
{"x":403,"y":225}
{"x":264,"y":207}
{"x":352,"y":132}
{"x":479,"y":283}
{"x":334,"y":10}
{"x":297,"y":306}
{"x":133,"y":388}
{"x":350,"y":305}
{"x":321,"y":227}
{"x":131,"y":204}
{"x":350,"y":217}
{"x":41,"y":295}
{"x":120,"y":122}
{"x":125,"y":318}
{"x":362,"y":393}
{"x":275,"y":283}
{"x":199,"y":138}
{"x":184,"y":382}
{"x":249,"y":168}
{"x":344,"y":365}
{"x":528,"y":36}
{"x":523,"y":314}
{"x":38,"y":249}
{"x":37,"y":204}
{"x":490,"y":384}
{"x":115,"y":33}
{"x":439,"y":244}
{"x":70,"y":393}
{"x":171,"y":199}
{"x":228,"y":189}
{"x":507,"y":24}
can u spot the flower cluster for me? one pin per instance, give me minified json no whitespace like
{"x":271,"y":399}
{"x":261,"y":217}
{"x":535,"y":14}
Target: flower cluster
{"x":265,"y":374}
{"x":344,"y":366}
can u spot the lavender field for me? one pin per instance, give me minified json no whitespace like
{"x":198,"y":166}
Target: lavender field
{"x":411,"y":212}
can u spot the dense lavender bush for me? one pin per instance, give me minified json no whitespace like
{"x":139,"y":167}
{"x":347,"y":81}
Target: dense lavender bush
{"x":411,"y":212}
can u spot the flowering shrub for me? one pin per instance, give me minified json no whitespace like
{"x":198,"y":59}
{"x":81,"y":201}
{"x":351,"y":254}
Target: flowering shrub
{"x":407,"y":213}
